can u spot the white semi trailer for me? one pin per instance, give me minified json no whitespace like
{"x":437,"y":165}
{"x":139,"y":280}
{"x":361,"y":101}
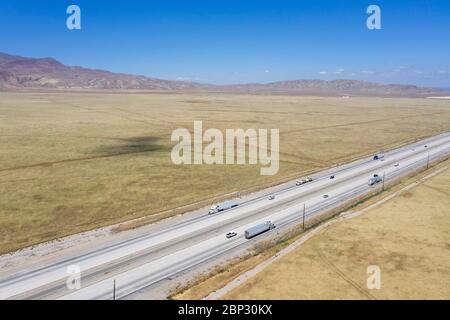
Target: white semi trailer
{"x":223,"y":206}
{"x":260,"y":228}
{"x":375,"y":179}
{"x":379,"y":156}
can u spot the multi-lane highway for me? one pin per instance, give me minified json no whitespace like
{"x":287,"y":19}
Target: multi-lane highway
{"x":146,"y":259}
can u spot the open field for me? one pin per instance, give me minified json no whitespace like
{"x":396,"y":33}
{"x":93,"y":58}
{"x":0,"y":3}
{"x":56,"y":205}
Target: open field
{"x":71,"y":162}
{"x":407,"y":237}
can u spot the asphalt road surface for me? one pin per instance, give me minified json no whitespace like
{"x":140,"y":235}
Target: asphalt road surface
{"x":146,"y":259}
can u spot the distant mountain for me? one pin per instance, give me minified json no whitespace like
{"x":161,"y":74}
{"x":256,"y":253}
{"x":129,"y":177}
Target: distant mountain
{"x":18,"y":73}
{"x":338,"y":87}
{"x":47,"y":73}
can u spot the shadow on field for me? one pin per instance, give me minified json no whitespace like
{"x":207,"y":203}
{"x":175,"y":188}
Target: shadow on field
{"x":131,"y":145}
{"x":122,"y":147}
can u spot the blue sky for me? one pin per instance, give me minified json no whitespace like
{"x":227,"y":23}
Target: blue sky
{"x":239,"y":41}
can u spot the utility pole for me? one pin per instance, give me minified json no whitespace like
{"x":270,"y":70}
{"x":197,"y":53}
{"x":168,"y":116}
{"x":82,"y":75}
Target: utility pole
{"x":114,"y":290}
{"x":304,"y":210}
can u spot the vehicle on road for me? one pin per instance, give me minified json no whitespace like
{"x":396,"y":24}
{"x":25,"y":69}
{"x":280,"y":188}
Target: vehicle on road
{"x":303,"y":180}
{"x":271,"y":197}
{"x":375,"y":179}
{"x":379,"y":155}
{"x":260,"y":228}
{"x":396,"y":165}
{"x":223,"y":206}
{"x":332,"y":177}
{"x":231,"y":235}
{"x":325,"y":196}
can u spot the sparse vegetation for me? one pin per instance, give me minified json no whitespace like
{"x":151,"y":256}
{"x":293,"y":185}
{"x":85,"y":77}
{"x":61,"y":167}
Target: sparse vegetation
{"x":75,"y":161}
{"x":407,"y":237}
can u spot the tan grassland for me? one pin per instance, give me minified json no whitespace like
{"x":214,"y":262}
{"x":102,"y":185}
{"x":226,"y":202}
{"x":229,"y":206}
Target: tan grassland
{"x":71,"y":162}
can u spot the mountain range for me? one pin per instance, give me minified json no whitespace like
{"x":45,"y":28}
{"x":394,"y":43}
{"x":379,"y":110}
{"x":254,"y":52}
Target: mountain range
{"x":21,"y":73}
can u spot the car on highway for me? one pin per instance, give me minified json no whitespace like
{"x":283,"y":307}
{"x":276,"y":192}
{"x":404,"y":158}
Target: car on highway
{"x":425,"y":146}
{"x":396,"y":165}
{"x":332,"y":177}
{"x":231,"y":234}
{"x":325,"y":196}
{"x":271,"y":197}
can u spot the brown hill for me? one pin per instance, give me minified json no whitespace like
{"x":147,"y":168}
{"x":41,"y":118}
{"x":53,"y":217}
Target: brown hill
{"x":338,"y":87}
{"x":22,"y":73}
{"x":18,"y":73}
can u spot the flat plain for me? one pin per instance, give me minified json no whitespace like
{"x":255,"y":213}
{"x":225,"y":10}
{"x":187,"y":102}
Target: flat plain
{"x":71,"y":162}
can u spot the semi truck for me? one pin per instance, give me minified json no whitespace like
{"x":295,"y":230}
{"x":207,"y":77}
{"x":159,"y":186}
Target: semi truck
{"x":223,"y":206}
{"x":379,"y":155}
{"x":260,"y":228}
{"x":375,"y":179}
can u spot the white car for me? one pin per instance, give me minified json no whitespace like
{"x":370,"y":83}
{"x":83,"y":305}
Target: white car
{"x":271,"y":197}
{"x":396,"y":165}
{"x":231,"y":235}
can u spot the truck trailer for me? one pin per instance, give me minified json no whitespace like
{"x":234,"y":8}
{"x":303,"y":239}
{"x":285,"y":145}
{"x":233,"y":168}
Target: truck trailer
{"x":375,"y":179}
{"x":223,"y":206}
{"x":260,"y":228}
{"x":379,"y":155}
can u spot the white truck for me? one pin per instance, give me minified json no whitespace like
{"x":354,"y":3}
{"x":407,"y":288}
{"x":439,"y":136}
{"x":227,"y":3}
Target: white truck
{"x":223,"y":206}
{"x":303,"y":181}
{"x":379,"y":156}
{"x":375,"y":179}
{"x":260,"y":228}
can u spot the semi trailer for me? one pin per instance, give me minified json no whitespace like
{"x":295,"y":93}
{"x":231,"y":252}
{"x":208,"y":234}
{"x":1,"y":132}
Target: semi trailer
{"x":260,"y":228}
{"x":379,"y":155}
{"x":223,"y":206}
{"x":375,"y":179}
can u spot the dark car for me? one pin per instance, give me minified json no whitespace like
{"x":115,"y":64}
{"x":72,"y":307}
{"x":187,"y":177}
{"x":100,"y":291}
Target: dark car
{"x":332,"y":177}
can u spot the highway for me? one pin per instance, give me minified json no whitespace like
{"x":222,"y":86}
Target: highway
{"x":144,"y":260}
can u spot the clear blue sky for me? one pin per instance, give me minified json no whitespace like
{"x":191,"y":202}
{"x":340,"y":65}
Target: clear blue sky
{"x":239,"y":41}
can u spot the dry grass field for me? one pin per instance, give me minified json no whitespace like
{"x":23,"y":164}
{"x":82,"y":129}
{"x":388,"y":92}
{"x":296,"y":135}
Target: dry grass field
{"x":408,"y":237}
{"x":75,"y":161}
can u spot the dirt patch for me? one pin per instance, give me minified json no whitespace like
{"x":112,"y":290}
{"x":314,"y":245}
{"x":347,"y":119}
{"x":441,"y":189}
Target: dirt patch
{"x":407,"y":195}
